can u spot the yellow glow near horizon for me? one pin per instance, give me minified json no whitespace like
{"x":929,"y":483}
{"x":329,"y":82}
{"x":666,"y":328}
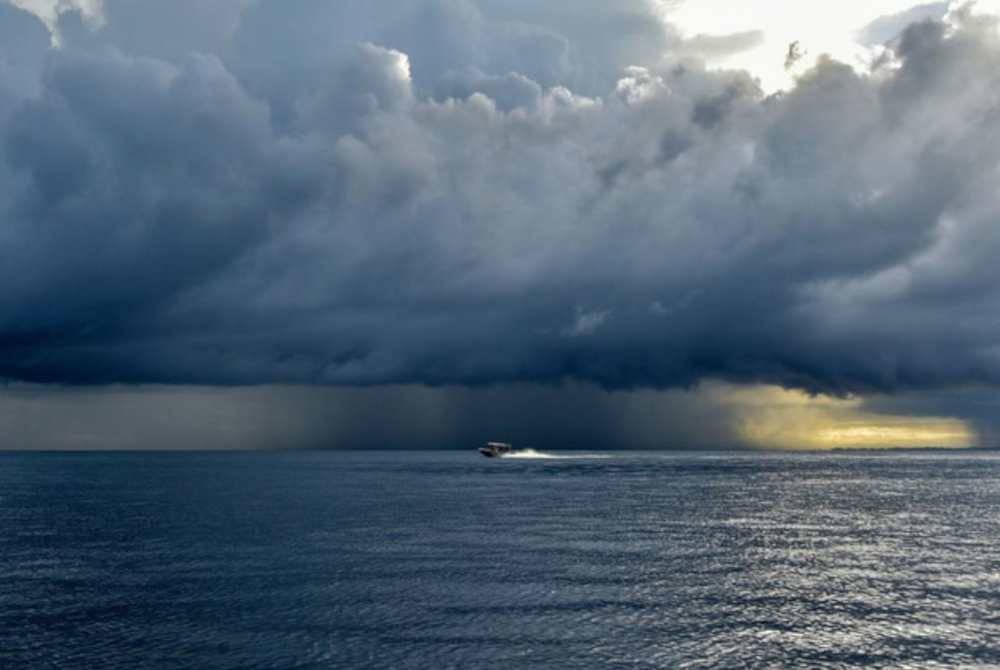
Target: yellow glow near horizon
{"x":777,"y":418}
{"x":915,"y":433}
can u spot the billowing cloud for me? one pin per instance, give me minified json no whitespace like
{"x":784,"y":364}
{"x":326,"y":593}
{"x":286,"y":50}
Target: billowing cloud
{"x":459,"y":192}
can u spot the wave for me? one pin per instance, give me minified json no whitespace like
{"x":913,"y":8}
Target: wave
{"x":530,"y":454}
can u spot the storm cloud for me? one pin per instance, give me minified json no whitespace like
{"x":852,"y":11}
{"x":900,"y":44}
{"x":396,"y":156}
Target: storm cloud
{"x":449,"y":192}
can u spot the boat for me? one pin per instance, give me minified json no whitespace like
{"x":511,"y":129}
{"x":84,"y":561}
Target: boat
{"x":496,"y":449}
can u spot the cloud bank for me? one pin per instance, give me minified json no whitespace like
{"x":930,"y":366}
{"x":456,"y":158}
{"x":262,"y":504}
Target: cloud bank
{"x":449,"y":192}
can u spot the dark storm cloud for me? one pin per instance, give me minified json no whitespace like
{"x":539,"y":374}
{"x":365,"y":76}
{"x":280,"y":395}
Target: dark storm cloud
{"x":458,"y":192}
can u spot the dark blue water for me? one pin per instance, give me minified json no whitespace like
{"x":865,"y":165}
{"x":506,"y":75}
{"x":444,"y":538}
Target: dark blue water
{"x":437,"y":560}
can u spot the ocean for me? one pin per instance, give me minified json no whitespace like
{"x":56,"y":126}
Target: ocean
{"x":449,"y":560}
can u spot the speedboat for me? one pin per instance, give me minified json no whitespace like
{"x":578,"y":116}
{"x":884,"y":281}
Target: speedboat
{"x":495,"y":449}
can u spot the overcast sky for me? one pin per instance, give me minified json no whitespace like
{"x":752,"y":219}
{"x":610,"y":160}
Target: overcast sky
{"x":644,"y":223}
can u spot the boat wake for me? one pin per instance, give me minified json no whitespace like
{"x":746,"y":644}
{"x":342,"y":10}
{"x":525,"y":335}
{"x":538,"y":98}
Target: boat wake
{"x":531,"y":454}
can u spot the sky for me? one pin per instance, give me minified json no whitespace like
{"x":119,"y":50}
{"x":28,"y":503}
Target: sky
{"x":430,"y":223}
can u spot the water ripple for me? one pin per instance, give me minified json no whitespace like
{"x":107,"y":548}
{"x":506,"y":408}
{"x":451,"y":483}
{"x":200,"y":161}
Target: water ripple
{"x":320,"y":560}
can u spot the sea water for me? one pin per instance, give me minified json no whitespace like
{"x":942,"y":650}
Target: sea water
{"x":450,"y":560}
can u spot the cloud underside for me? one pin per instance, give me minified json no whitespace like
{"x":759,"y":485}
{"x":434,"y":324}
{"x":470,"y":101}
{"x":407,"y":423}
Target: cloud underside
{"x":469,"y":193}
